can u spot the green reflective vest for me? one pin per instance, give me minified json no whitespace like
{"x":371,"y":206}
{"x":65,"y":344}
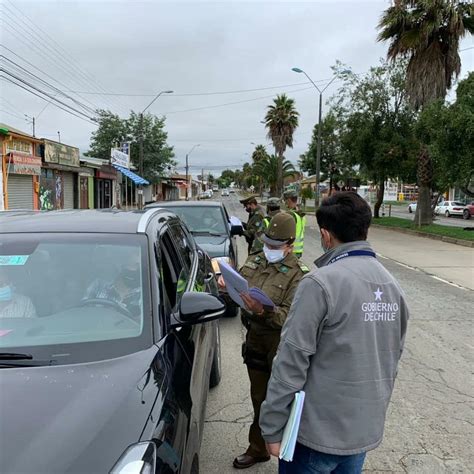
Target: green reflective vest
{"x":299,"y":239}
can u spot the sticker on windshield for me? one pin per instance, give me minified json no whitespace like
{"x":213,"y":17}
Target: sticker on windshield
{"x":4,"y":332}
{"x":10,"y":260}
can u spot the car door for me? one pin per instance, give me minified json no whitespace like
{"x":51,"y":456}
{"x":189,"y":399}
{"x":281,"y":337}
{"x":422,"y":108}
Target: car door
{"x":233,"y":240}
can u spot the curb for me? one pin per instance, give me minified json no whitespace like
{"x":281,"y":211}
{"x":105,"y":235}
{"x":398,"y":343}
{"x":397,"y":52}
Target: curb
{"x":442,"y":238}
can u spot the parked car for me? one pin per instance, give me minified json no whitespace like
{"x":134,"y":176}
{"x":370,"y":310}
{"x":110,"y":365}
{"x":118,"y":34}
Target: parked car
{"x":412,"y":207}
{"x":450,"y":208}
{"x":111,"y":344}
{"x":232,"y":190}
{"x":468,"y":210}
{"x":214,"y":231}
{"x":225,"y":192}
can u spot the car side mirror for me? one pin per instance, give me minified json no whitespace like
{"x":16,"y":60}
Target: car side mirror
{"x":196,"y":307}
{"x":236,"y":230}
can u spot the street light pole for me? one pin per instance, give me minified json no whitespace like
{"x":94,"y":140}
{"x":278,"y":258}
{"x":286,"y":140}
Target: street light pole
{"x":187,"y":171}
{"x":140,"y":141}
{"x":318,"y":148}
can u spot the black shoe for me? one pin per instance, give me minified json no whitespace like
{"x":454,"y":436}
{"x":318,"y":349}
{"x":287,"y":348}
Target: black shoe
{"x":245,"y":460}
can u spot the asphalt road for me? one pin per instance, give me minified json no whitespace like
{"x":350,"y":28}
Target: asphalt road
{"x":454,"y":221}
{"x":430,"y":421}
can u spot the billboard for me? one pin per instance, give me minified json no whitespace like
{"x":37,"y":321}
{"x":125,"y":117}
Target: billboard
{"x":119,"y":158}
{"x":61,"y":154}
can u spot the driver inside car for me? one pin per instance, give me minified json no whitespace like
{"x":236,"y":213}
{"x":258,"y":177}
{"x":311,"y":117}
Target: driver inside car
{"x":124,"y":290}
{"x":12,"y":304}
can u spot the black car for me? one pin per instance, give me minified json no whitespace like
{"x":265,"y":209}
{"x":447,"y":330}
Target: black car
{"x":109,"y":341}
{"x":214,"y":231}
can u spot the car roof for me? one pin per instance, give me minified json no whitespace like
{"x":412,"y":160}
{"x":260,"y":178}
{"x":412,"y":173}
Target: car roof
{"x":75,"y":220}
{"x":185,"y":204}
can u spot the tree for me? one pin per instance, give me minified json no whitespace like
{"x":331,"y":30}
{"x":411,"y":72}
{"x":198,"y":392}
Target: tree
{"x":377,"y":125}
{"x":281,"y":122}
{"x":113,"y":130}
{"x":427,"y":33}
{"x":268,"y":170}
{"x":258,"y":155}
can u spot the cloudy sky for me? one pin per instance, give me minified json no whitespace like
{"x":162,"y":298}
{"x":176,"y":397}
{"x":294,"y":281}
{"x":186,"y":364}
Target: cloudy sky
{"x":224,"y":61}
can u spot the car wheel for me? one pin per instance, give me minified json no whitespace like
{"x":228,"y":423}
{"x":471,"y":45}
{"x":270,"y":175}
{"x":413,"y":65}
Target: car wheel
{"x":447,"y":214}
{"x":216,"y":369}
{"x":232,"y":311}
{"x":466,"y":214}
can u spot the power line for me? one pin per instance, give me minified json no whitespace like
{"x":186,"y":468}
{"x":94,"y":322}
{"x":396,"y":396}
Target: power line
{"x":55,"y":46}
{"x":56,"y":105}
{"x":45,"y":53}
{"x":13,"y":115}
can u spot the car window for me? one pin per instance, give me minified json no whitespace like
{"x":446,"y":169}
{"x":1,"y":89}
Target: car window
{"x":202,"y":219}
{"x":183,"y":245}
{"x":458,"y":203}
{"x":67,"y":289}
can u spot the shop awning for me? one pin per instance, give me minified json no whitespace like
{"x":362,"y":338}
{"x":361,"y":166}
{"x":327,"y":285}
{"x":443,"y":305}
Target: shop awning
{"x":130,"y":174}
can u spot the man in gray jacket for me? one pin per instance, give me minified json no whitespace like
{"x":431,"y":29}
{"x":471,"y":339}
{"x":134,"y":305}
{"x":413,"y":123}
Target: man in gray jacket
{"x":341,"y":344}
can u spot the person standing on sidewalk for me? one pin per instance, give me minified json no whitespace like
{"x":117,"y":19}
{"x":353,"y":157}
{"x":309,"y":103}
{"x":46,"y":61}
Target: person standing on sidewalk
{"x":341,"y":344}
{"x":291,"y":201}
{"x":254,"y":225}
{"x":273,"y":208}
{"x":277,"y":272}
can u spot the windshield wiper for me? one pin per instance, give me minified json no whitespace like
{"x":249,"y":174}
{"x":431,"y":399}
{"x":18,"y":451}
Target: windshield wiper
{"x":14,"y":356}
{"x":213,"y":234}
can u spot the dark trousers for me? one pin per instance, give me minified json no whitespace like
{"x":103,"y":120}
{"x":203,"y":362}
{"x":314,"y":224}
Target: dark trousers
{"x":258,"y":391}
{"x":309,"y":461}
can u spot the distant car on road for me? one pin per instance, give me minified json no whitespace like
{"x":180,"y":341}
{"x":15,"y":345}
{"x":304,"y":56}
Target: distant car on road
{"x":225,"y":192}
{"x":468,"y":210}
{"x":412,"y":207}
{"x":111,"y":371}
{"x":213,"y":230}
{"x":232,"y":190}
{"x":450,"y":208}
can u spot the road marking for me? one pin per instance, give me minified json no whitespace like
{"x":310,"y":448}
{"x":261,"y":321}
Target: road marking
{"x":416,"y":269}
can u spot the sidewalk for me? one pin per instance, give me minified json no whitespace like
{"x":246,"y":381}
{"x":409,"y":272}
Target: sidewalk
{"x":449,"y":262}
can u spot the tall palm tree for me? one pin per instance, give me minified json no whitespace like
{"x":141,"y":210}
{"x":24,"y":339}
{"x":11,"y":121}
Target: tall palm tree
{"x":281,"y":122}
{"x":268,"y":171}
{"x":427,"y":32}
{"x":258,"y":155}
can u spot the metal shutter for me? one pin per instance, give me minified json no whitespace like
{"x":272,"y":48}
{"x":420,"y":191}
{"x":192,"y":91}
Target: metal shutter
{"x":20,"y":191}
{"x":68,"y":190}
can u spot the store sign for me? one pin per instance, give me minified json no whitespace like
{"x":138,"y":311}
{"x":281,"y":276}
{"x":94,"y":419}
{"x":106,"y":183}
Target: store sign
{"x":61,"y":154}
{"x":19,"y":146}
{"x":86,"y":172}
{"x":119,"y":158}
{"x":24,"y":164}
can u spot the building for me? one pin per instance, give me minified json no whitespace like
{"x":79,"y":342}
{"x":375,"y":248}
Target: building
{"x":20,"y":169}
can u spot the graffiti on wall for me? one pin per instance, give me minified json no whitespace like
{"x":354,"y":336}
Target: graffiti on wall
{"x":51,"y":196}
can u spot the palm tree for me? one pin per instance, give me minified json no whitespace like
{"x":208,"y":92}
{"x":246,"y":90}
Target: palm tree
{"x":268,"y":171}
{"x":427,"y":33}
{"x":281,"y":122}
{"x":259,"y":154}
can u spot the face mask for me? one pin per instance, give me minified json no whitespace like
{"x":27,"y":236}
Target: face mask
{"x":248,"y":209}
{"x":5,"y":293}
{"x":273,"y":256}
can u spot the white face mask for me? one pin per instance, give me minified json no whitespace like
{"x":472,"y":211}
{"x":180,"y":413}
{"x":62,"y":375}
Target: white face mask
{"x":273,"y":256}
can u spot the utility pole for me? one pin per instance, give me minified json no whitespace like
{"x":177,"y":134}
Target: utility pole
{"x":188,"y":185}
{"x":59,"y":136}
{"x":33,"y":123}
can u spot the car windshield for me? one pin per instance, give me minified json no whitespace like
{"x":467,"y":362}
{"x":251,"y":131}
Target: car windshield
{"x":202,"y":219}
{"x":74,"y":298}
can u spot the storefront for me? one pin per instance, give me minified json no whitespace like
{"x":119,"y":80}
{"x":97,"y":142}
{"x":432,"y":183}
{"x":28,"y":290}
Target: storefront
{"x":59,"y":185}
{"x":86,"y":188}
{"x":105,"y":179}
{"x":21,"y":169}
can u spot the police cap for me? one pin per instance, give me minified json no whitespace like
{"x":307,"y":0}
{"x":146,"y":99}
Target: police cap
{"x":291,"y":193}
{"x":273,"y":203}
{"x":249,"y":200}
{"x":280,"y":230}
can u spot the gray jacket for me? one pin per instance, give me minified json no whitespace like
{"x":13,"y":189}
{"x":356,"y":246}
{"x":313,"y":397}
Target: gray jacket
{"x":341,"y":343}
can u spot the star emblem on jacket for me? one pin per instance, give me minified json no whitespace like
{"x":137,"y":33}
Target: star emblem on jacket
{"x":378,"y":295}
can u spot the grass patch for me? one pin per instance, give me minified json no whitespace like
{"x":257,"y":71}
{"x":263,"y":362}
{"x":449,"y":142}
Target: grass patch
{"x":433,"y":229}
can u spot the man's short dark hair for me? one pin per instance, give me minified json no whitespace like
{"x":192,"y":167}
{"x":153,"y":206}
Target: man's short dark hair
{"x":346,"y":215}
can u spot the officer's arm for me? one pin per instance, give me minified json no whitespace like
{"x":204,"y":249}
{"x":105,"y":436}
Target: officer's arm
{"x":298,"y":344}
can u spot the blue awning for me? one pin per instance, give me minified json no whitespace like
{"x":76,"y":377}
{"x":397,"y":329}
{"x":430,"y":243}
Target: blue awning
{"x":130,"y":174}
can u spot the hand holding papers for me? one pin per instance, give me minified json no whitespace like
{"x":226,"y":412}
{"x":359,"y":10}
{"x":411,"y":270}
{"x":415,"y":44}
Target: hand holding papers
{"x":236,"y":284}
{"x":288,"y":443}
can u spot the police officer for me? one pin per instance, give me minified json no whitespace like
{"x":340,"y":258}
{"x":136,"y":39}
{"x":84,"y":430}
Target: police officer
{"x":254,"y":225}
{"x":273,"y":208}
{"x":291,"y":201}
{"x":277,"y":272}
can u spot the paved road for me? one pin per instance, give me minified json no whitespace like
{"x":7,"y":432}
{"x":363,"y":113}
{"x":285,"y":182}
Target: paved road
{"x":455,"y":221}
{"x":430,"y":422}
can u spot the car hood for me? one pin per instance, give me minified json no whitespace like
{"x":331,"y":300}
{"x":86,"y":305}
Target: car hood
{"x":73,"y":418}
{"x":214,"y":246}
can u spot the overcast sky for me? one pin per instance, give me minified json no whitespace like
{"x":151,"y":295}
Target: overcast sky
{"x":132,"y":47}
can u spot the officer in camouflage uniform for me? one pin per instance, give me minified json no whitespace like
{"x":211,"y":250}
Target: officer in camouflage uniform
{"x":291,"y":201}
{"x":277,"y":272}
{"x":254,"y":226}
{"x":273,"y":208}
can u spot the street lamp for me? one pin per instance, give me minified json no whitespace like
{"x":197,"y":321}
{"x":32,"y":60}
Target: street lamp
{"x":318,"y":149}
{"x":187,"y":170}
{"x":140,"y":165}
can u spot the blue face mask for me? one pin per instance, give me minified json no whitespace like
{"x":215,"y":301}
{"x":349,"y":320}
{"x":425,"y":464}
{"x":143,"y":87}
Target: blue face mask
{"x":5,"y":293}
